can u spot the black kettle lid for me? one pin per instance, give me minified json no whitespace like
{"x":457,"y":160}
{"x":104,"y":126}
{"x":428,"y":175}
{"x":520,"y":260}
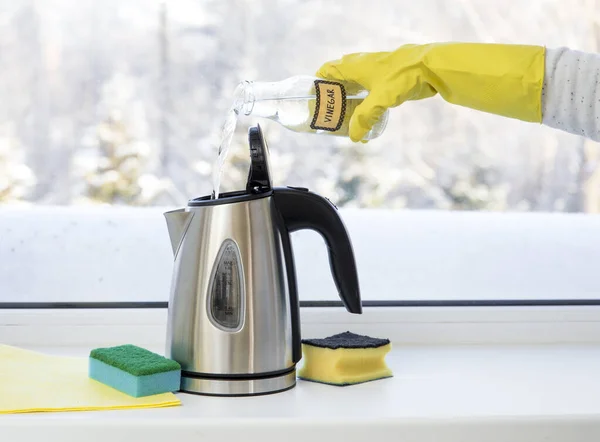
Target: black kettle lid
{"x":259,"y":182}
{"x":259,"y":175}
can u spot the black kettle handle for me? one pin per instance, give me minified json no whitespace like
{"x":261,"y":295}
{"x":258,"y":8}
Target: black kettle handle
{"x":302,"y":209}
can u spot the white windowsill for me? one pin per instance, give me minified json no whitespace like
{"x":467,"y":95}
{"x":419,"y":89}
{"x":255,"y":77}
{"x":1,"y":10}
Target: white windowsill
{"x":540,"y":385}
{"x":449,"y":393}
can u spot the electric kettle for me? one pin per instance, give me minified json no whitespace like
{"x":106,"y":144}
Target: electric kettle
{"x":233,"y":315}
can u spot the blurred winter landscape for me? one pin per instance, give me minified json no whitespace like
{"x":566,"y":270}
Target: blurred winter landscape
{"x":117,"y":102}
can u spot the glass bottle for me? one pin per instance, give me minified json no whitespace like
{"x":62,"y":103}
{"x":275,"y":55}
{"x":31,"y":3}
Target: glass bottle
{"x":305,"y":104}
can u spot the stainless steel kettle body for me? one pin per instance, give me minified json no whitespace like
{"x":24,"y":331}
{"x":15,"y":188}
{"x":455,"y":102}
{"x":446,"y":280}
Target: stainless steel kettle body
{"x":233,"y":321}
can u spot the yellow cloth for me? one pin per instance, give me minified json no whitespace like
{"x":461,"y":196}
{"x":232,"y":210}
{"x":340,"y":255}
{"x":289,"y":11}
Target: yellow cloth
{"x":501,"y":79}
{"x":31,"y":381}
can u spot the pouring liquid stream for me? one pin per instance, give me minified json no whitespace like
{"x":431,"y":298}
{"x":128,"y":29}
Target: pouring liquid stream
{"x":224,"y":140}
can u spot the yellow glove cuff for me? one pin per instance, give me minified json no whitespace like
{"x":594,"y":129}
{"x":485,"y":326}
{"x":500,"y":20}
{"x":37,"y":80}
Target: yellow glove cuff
{"x":500,"y":79}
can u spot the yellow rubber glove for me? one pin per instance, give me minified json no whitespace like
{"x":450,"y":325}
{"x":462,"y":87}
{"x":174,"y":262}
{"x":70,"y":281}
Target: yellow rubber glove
{"x":495,"y":78}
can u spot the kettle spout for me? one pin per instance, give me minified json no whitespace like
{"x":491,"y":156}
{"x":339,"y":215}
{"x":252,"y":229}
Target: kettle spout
{"x":177,"y":224}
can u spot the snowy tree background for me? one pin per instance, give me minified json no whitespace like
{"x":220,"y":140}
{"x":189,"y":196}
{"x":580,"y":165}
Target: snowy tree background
{"x":117,"y":102}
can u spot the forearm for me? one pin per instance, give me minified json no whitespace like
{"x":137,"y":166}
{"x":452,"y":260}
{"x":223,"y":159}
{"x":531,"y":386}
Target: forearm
{"x":571,"y":92}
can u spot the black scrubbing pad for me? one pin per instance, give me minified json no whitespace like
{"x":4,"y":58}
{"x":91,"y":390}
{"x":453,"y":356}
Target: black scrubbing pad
{"x":347,"y":340}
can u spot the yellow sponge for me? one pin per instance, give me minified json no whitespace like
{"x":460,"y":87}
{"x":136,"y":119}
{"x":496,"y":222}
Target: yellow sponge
{"x":345,"y":359}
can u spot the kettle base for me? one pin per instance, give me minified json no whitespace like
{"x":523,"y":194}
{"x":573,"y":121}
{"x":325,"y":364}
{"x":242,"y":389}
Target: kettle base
{"x":237,"y":386}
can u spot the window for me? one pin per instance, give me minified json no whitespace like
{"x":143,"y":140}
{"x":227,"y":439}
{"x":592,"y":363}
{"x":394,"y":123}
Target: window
{"x":108,"y":113}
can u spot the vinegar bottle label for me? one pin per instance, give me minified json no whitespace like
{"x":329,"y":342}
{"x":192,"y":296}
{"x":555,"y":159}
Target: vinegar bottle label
{"x":330,"y":107}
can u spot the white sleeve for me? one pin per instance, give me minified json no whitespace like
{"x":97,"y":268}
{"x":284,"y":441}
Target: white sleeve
{"x":571,"y":92}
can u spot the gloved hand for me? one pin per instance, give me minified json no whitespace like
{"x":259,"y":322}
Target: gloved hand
{"x":496,"y":78}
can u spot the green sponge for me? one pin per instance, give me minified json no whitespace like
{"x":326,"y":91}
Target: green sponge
{"x":134,"y":370}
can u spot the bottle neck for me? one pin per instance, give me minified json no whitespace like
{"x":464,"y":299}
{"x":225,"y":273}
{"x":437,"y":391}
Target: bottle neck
{"x":250,"y":94}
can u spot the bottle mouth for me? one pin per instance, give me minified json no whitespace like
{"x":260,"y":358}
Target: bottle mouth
{"x":243,"y":98}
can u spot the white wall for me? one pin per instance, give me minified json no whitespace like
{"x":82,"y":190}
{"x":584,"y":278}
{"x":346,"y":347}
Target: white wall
{"x":123,"y":254}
